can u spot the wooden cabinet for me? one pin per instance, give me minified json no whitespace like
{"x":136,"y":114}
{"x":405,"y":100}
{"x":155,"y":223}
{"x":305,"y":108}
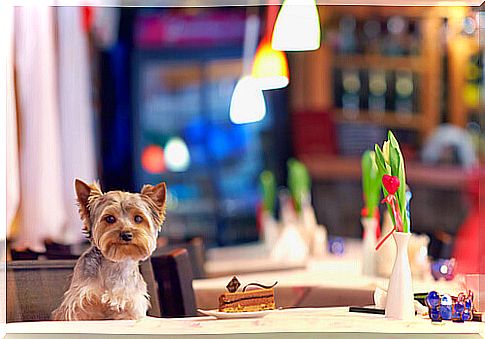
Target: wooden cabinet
{"x":439,"y":65}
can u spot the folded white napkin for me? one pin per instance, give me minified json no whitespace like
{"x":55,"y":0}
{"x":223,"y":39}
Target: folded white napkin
{"x":290,"y":246}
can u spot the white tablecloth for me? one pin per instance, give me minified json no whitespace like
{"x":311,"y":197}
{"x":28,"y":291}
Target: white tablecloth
{"x":293,"y":323}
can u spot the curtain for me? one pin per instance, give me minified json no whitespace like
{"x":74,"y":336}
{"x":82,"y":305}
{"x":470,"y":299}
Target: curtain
{"x":13,"y":189}
{"x":76,"y":114}
{"x":42,"y":211}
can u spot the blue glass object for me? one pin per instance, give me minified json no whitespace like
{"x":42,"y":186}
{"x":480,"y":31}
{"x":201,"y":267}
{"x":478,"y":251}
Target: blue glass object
{"x":459,"y":307}
{"x":445,"y":307}
{"x":433,"y":299}
{"x":468,"y":304}
{"x":445,"y":312}
{"x":336,"y":245}
{"x":466,"y":316}
{"x":434,"y":314}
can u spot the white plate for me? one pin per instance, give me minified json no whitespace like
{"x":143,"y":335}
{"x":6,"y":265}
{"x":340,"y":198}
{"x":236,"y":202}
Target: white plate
{"x":235,"y":315}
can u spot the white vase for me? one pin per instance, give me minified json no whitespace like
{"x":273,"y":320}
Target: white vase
{"x":386,"y":254}
{"x":270,"y":230}
{"x":369,"y":246}
{"x":400,"y":304}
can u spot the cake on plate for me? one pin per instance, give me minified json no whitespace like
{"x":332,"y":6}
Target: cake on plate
{"x":259,"y":298}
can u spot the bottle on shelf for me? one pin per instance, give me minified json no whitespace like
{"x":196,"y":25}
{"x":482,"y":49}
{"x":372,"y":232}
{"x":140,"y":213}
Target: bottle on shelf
{"x":348,"y":41}
{"x":413,"y":38}
{"x":372,"y":36}
{"x":393,"y":44}
{"x":377,"y":92}
{"x":404,"y":93}
{"x":351,"y":85}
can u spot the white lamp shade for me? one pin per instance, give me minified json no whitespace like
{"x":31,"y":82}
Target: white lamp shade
{"x":297,"y":26}
{"x":270,"y":67}
{"x":247,"y":102}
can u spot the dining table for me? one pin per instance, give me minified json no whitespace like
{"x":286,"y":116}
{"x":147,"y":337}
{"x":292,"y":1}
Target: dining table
{"x":328,"y":280}
{"x":281,"y":323}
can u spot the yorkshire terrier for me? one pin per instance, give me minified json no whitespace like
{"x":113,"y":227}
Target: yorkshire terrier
{"x":122,"y":228}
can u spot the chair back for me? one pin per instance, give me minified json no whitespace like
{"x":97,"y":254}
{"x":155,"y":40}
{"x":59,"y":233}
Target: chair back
{"x":173,"y":273}
{"x":146,"y":271}
{"x":24,"y":255}
{"x":196,"y":250}
{"x":52,"y":246}
{"x":36,"y":287}
{"x":51,"y":255}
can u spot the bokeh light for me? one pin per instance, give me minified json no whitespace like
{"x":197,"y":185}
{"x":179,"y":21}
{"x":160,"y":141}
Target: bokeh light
{"x":247,"y":102}
{"x":153,"y":159}
{"x":270,"y":67}
{"x":177,"y":155}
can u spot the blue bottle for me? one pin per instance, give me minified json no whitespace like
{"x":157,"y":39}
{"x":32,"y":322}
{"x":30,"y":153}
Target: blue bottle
{"x":433,"y":302}
{"x":458,"y":309}
{"x":466,"y":315}
{"x":445,"y":307}
{"x":468,"y":309}
{"x":433,"y":299}
{"x":434,"y":314}
{"x":469,"y":304}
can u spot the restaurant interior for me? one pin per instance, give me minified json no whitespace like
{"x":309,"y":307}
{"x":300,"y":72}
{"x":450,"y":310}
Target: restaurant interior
{"x":294,"y":138}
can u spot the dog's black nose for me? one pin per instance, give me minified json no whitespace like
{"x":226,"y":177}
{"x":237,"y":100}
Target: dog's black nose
{"x":126,"y":236}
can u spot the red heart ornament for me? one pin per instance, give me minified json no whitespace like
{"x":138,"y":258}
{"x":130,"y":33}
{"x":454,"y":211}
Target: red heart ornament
{"x":390,"y":183}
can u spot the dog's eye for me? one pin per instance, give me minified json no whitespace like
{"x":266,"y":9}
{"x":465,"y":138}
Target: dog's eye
{"x":138,"y":219}
{"x":110,"y":219}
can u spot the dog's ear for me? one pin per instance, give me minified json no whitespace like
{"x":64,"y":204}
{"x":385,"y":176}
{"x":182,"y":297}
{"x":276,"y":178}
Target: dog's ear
{"x":158,"y":194}
{"x":85,"y":195}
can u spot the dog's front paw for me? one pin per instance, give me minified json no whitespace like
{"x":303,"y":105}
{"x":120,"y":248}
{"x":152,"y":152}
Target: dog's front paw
{"x":115,"y":303}
{"x":105,"y":298}
{"x":116,"y":306}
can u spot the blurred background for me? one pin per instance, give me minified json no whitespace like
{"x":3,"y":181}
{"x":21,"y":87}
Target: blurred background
{"x":133,"y":95}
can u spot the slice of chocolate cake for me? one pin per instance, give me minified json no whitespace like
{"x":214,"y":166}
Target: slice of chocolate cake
{"x":247,"y":301}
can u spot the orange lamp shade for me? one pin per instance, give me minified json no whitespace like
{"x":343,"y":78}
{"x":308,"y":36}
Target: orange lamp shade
{"x":270,"y":67}
{"x":153,"y":159}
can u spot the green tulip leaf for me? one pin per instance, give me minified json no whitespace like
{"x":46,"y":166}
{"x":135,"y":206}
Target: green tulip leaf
{"x":370,"y":182}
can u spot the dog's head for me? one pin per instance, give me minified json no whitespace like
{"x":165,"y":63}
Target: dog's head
{"x":124,"y":226}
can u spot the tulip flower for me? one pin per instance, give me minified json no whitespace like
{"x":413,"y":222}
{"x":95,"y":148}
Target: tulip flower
{"x":390,"y":164}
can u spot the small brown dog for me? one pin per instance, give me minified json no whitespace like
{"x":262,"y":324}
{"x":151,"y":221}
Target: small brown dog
{"x":123,"y":229}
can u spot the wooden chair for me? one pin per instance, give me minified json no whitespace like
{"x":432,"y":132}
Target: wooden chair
{"x":146,"y":271}
{"x":196,"y":250}
{"x":52,"y":246}
{"x":35,"y":288}
{"x":24,"y":255}
{"x":173,"y":273}
{"x":55,"y":251}
{"x":53,"y":255}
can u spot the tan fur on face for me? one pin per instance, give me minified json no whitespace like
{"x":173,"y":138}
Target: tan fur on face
{"x":124,"y":207}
